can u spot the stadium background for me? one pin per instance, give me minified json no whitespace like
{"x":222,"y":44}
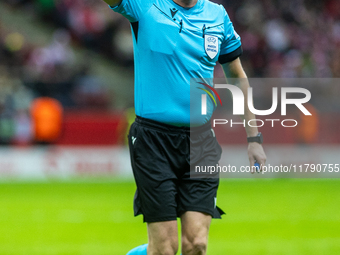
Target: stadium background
{"x":66,"y":101}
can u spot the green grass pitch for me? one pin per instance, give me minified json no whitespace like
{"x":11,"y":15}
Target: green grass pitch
{"x":274,"y":217}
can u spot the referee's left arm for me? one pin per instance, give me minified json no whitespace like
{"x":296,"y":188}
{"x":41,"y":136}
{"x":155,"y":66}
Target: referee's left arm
{"x":234,"y":69}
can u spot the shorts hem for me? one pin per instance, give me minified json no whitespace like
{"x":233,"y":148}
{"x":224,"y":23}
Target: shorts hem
{"x":215,"y":214}
{"x":196,"y":209}
{"x":159,"y":219}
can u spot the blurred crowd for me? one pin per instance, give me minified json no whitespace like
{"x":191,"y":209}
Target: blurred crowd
{"x":29,"y":72}
{"x":291,"y":38}
{"x":89,"y":22}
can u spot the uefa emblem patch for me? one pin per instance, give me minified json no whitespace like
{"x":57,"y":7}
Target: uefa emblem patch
{"x":211,"y":45}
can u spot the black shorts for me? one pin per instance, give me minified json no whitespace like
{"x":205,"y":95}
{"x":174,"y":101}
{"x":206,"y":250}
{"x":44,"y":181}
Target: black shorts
{"x":160,"y":159}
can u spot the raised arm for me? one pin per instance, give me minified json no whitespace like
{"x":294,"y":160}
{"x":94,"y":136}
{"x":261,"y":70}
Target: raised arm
{"x":112,"y":2}
{"x":234,"y":69}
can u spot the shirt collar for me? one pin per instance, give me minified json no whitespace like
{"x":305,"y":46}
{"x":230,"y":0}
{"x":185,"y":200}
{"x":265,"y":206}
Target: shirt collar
{"x":195,"y":9}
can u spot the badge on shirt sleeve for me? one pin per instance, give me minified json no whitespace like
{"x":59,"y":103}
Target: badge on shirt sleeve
{"x":211,"y":45}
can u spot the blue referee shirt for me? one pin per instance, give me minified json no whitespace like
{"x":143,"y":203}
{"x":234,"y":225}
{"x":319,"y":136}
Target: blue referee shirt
{"x":172,"y":46}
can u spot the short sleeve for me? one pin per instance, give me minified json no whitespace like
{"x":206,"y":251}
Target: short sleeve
{"x":131,"y":9}
{"x":231,"y":46}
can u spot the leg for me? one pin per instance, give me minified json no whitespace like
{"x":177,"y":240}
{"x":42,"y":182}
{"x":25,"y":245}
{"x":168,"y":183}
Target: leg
{"x":197,"y":196}
{"x":152,"y":159}
{"x":163,"y":238}
{"x":195,"y":229}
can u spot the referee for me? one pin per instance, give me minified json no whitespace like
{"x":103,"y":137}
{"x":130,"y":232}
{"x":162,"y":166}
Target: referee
{"x":176,"y":41}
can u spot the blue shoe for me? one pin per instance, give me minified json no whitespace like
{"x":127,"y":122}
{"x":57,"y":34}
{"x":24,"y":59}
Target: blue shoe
{"x":140,"y":250}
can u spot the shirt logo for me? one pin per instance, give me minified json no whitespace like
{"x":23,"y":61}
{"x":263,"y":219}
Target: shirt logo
{"x":173,"y":12}
{"x":211,"y":45}
{"x":133,"y":140}
{"x":212,"y":39}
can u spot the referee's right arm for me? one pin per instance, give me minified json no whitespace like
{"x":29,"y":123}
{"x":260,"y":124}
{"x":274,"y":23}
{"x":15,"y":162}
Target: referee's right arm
{"x":112,"y":2}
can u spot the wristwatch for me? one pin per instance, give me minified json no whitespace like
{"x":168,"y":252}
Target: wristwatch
{"x":256,"y":139}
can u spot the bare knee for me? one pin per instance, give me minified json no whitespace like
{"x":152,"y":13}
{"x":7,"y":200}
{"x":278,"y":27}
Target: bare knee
{"x":195,"y":229}
{"x":163,"y":238}
{"x":194,"y":246}
{"x":165,"y":247}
